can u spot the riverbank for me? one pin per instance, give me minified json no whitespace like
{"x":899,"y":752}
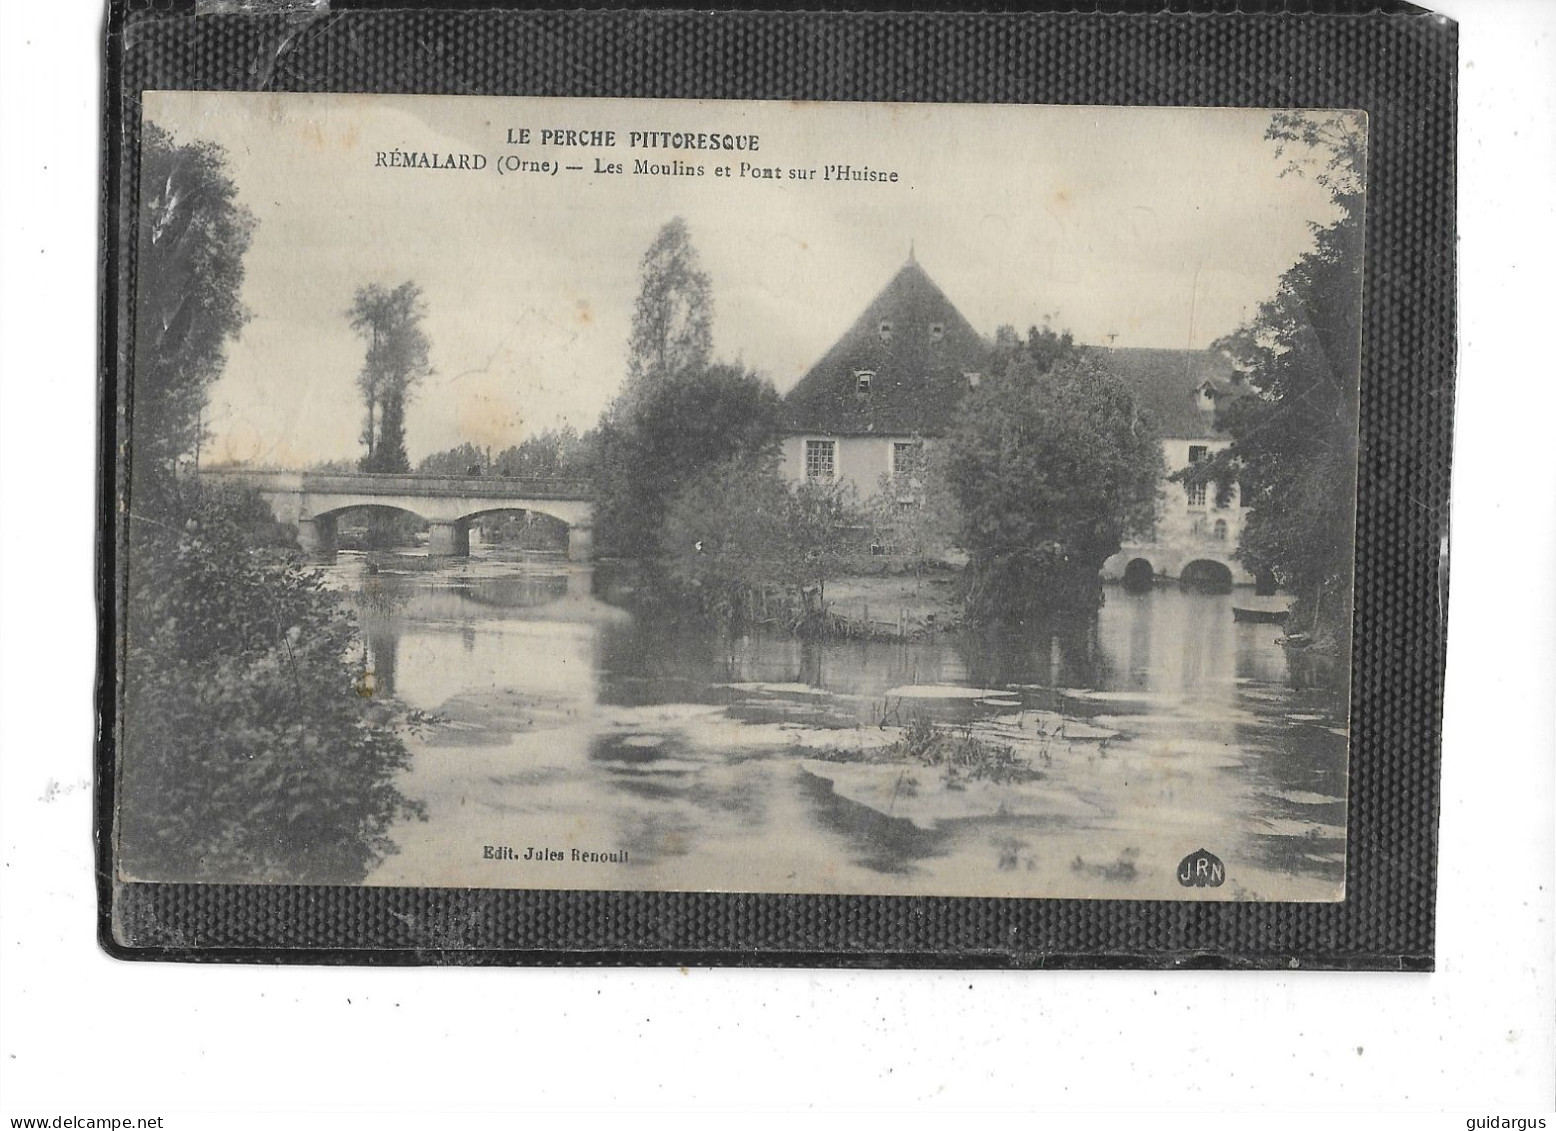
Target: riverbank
{"x":895,"y":605}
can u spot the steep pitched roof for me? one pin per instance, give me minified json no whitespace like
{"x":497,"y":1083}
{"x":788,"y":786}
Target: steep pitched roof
{"x":918,"y":369}
{"x":1167,"y":386}
{"x":918,"y":379}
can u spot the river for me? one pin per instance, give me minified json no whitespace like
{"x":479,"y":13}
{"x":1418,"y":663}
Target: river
{"x":686,"y":761}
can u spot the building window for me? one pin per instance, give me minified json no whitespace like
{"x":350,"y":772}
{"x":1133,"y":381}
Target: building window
{"x":1196,"y":494}
{"x":1219,"y":530}
{"x":936,"y":331}
{"x":904,"y":459}
{"x":820,"y":459}
{"x":862,"y":379}
{"x":1197,"y":452}
{"x":885,"y":331}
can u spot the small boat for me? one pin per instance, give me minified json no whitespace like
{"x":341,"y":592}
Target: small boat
{"x":1260,"y":616}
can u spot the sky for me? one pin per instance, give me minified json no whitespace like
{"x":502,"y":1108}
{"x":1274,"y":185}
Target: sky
{"x":1142,"y":226}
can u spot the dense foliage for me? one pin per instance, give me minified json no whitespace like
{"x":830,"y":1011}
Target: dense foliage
{"x":725,"y":538}
{"x":681,"y":424}
{"x":914,"y":515}
{"x":464,"y":459}
{"x":555,"y":452}
{"x":192,"y":236}
{"x":1052,"y":468}
{"x":678,"y":412}
{"x":552,"y":453}
{"x":739,"y":532}
{"x":826,"y":523}
{"x":389,"y":321}
{"x":1294,"y":443}
{"x":249,"y":753}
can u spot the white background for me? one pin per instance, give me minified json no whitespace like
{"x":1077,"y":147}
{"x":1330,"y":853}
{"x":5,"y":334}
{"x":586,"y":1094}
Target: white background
{"x":82,"y":1034}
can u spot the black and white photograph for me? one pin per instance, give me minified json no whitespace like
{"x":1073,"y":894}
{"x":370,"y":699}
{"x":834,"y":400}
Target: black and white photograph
{"x":740,"y":496}
{"x":802,"y":564}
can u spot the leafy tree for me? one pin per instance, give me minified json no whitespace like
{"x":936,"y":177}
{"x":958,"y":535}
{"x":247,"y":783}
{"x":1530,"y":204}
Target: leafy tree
{"x":672,"y":323}
{"x":1007,"y":343}
{"x":455,"y":461}
{"x":915,"y":513}
{"x":1294,"y":440}
{"x":1329,"y":146}
{"x":249,"y":753}
{"x":559,"y":452}
{"x":1045,"y":348}
{"x":648,"y":454}
{"x":824,"y":525}
{"x":192,"y":237}
{"x":726,"y":536}
{"x":1051,"y":467}
{"x":390,"y":322}
{"x":738,"y":529}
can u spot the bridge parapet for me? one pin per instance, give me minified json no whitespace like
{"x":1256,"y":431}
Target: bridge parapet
{"x":314,"y":500}
{"x":399,"y":484}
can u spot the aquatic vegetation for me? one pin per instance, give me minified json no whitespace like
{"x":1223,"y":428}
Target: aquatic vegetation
{"x":962,"y":753}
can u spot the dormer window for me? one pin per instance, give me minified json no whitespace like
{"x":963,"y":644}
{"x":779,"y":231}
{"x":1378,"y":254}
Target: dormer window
{"x":885,"y":330}
{"x":936,"y":331}
{"x":862,"y":380}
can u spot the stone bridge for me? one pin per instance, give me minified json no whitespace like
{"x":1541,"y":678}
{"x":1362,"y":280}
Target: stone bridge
{"x":1200,"y":561}
{"x":314,"y":500}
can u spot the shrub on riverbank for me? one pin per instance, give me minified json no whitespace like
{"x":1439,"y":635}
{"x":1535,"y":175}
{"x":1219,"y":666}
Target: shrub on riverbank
{"x":250,"y":752}
{"x":653,"y":447}
{"x":741,"y":544}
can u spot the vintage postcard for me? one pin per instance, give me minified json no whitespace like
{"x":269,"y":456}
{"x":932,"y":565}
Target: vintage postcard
{"x":655,"y":495}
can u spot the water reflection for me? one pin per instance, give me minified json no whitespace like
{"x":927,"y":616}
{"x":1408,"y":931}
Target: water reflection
{"x":756,"y":762}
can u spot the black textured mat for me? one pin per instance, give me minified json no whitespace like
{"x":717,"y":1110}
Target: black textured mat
{"x":1398,"y":67}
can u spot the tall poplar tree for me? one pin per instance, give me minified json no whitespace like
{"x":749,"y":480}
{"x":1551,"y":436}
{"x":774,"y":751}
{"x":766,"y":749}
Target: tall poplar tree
{"x":389,"y":321}
{"x":672,"y":323}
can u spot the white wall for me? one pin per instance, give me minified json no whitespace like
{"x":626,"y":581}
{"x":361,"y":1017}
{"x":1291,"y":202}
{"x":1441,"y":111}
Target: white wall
{"x":860,"y":460}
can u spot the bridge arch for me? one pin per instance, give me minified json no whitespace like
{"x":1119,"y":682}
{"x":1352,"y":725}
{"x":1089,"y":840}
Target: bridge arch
{"x":325,"y":533}
{"x":387,"y":508}
{"x":525,"y":507}
{"x":570,"y":530}
{"x":1206,"y":576}
{"x":1139,"y":575}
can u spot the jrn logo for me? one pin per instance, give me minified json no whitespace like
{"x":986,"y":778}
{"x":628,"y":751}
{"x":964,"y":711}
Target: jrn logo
{"x":1201,"y":870}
